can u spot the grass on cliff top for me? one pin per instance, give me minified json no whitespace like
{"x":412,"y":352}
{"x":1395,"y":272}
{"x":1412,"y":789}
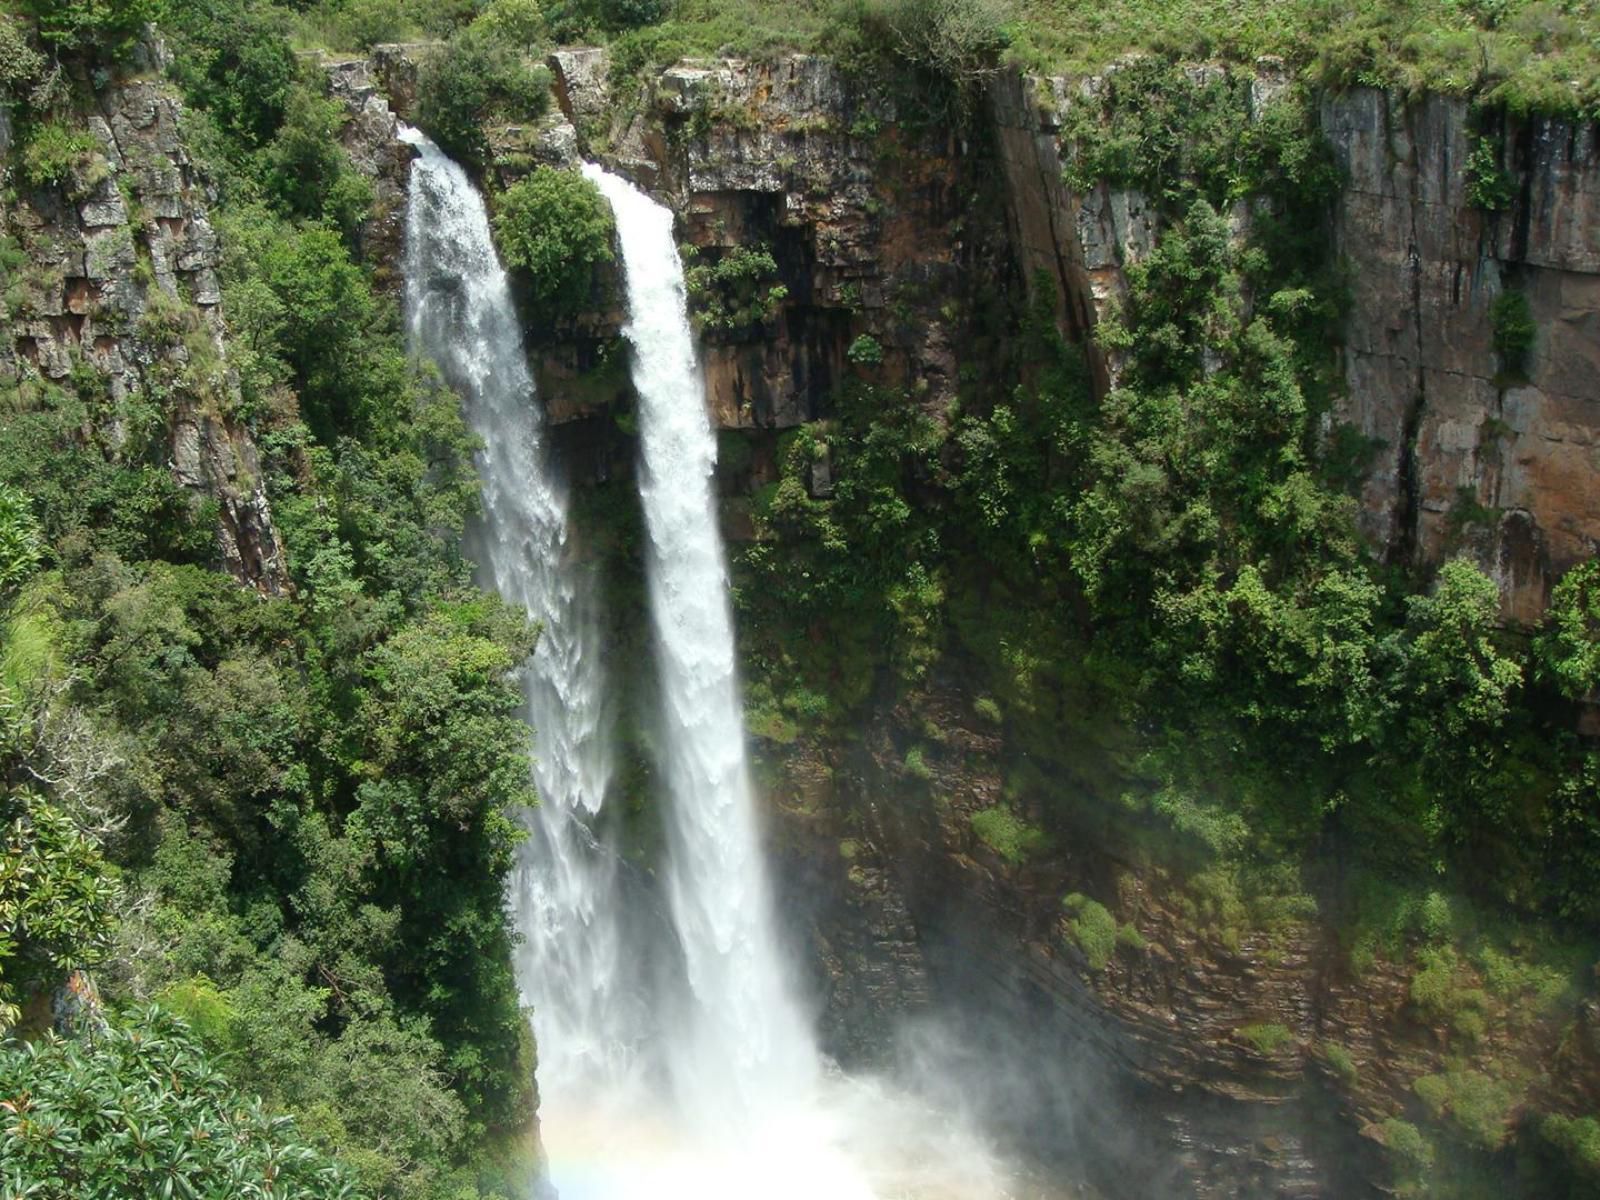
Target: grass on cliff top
{"x":1528,"y":55}
{"x":1525,"y":55}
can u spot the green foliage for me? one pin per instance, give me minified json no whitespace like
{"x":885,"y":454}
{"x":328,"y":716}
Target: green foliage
{"x":1514,"y":331}
{"x":138,"y":1110}
{"x":734,"y":291}
{"x":307,"y":172}
{"x":1008,"y":835}
{"x":475,"y":78}
{"x":1578,"y":1138}
{"x":1489,"y":185}
{"x":1413,"y":1155}
{"x":55,"y":899}
{"x":233,"y":59}
{"x":1265,"y":1039}
{"x":865,"y":351}
{"x":1567,"y":650}
{"x":1478,"y":1105}
{"x":1182,"y":135}
{"x":109,"y":27}
{"x":1342,"y":1062}
{"x":957,"y":40}
{"x":21,"y":540}
{"x":516,"y":22}
{"x":1092,"y":928}
{"x":556,"y":226}
{"x":58,"y":155}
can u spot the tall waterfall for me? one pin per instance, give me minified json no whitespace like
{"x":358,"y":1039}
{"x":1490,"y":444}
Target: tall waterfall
{"x":745,"y":1107}
{"x":748,"y":1045}
{"x":573,"y":969}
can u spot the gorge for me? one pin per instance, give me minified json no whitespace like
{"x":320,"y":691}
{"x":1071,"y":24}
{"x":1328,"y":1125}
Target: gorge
{"x":1064,"y":631}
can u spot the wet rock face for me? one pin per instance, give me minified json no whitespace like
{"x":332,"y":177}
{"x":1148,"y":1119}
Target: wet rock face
{"x":121,"y":280}
{"x":1475,"y":454}
{"x":1470,"y":454}
{"x":871,"y":228}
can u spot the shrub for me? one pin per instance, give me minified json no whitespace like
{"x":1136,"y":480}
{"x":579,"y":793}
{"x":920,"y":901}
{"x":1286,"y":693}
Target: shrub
{"x":141,"y":1112}
{"x":1514,"y":331}
{"x":21,"y":541}
{"x":1489,"y":185}
{"x":1340,"y":1059}
{"x":474,"y":78}
{"x":56,"y":155}
{"x":234,"y":60}
{"x":109,"y":26}
{"x":1007,"y":834}
{"x":517,"y":22}
{"x":865,"y":351}
{"x":1092,"y":928}
{"x":1568,"y":648}
{"x":958,"y":40}
{"x":736,"y":290}
{"x":1479,"y":1105}
{"x":556,"y":226}
{"x":1413,"y":1153}
{"x":1267,"y":1039}
{"x":987,"y":708}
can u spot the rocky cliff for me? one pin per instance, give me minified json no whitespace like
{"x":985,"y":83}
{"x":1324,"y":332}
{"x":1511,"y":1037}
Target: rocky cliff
{"x":1203,"y":1054}
{"x":121,"y":281}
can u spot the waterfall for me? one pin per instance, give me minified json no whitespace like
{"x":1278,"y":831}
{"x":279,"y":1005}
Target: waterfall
{"x":744,"y":1107}
{"x":572,"y":967}
{"x":748,"y":1046}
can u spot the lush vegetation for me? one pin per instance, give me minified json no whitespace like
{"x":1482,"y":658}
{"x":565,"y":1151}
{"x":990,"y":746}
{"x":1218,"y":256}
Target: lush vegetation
{"x":1190,"y":654}
{"x":284,"y":814}
{"x":557,"y":227}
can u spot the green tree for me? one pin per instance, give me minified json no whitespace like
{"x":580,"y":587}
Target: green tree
{"x":55,"y":899}
{"x":1567,"y":650}
{"x":557,"y":227}
{"x":139,"y":1111}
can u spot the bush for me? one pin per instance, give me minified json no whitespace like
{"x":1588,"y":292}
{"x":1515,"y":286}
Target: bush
{"x":21,"y":540}
{"x":108,"y":26}
{"x":1093,"y":929}
{"x":233,"y":59}
{"x":1489,"y":185}
{"x":1514,"y":331}
{"x":139,"y":1111}
{"x":556,"y":226}
{"x":736,"y":290}
{"x":1007,"y":834}
{"x":957,"y":40}
{"x":475,"y":78}
{"x":865,"y":351}
{"x":1266,"y":1039}
{"x":56,"y":155}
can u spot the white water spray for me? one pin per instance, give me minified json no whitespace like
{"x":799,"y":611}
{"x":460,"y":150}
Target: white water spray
{"x":768,"y":1120}
{"x":748,"y":1048}
{"x":572,"y":967}
{"x":747,"y":1110}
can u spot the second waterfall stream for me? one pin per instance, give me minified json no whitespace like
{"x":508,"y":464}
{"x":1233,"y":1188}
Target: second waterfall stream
{"x":692,"y":1073}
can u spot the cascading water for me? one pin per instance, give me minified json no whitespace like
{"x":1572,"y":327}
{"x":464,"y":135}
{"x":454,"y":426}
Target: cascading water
{"x":572,"y":968}
{"x":745,"y":1107}
{"x":748,"y":1047}
{"x":764,"y":1118}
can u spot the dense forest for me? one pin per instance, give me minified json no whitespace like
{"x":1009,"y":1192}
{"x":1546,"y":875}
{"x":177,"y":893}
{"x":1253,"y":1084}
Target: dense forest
{"x":258,"y":823}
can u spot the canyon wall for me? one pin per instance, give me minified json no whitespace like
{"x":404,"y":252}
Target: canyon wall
{"x":1202,"y":1057}
{"x":121,"y":281}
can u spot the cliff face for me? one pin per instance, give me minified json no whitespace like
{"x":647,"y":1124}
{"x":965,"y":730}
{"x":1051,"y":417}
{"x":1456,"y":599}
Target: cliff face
{"x":1468,"y":453}
{"x":1461,"y":433}
{"x":1204,"y":1056}
{"x":121,"y":281}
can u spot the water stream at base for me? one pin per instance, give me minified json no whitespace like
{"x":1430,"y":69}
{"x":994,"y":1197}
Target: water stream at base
{"x":742,"y":1105}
